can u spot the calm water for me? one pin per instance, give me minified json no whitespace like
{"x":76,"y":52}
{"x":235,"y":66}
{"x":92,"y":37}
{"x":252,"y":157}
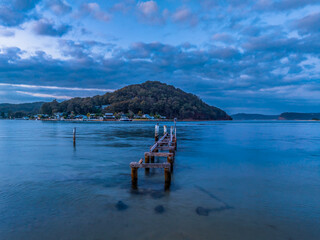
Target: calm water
{"x":232,"y":180}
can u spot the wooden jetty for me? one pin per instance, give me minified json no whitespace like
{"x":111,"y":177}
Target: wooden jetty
{"x":165,"y":147}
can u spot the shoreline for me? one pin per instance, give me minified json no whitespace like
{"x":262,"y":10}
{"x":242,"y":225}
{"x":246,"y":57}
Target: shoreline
{"x":133,"y":120}
{"x":159,"y":120}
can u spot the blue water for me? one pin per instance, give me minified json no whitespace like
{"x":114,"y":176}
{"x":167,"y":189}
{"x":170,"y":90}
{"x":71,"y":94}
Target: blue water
{"x":232,"y":180}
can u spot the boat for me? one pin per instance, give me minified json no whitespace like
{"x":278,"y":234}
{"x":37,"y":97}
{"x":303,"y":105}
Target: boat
{"x":125,"y":119}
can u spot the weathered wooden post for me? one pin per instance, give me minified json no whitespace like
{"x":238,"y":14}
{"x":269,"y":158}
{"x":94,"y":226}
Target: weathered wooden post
{"x":74,"y":136}
{"x":175,"y":134}
{"x":134,"y":177}
{"x":172,"y":151}
{"x":156,"y":138}
{"x":175,"y":128}
{"x":171,"y":133}
{"x":170,"y":160}
{"x":156,"y":132}
{"x":164,"y":129}
{"x":146,"y":160}
{"x":167,"y":178}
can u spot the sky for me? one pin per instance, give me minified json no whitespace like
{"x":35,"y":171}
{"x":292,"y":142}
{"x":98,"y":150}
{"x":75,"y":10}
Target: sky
{"x":259,"y":56}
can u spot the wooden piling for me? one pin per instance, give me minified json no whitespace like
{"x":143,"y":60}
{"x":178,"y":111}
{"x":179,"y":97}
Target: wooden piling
{"x":134,"y":176}
{"x":156,"y":138}
{"x":156,"y":132}
{"x":165,"y":130}
{"x":146,"y":160}
{"x":167,"y":178}
{"x":175,"y":133}
{"x":74,"y":136}
{"x":171,"y":133}
{"x":170,"y":160}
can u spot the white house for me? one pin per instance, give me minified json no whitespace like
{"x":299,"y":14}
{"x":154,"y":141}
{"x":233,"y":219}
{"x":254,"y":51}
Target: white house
{"x":147,"y":116}
{"x":108,"y":116}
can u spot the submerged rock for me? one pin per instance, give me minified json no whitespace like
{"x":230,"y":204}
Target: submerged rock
{"x":202,"y":211}
{"x":120,"y":206}
{"x":159,"y":209}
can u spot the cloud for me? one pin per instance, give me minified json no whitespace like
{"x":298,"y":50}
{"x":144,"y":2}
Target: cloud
{"x":123,"y":6}
{"x":84,"y":51}
{"x":94,"y":10}
{"x":24,"y":5}
{"x":55,"y":87}
{"x":184,"y":15}
{"x":25,"y":92}
{"x":15,"y":12}
{"x":9,"y":17}
{"x":59,"y":7}
{"x":283,"y":5}
{"x":149,"y":13}
{"x":6,"y":33}
{"x":48,"y":28}
{"x":239,"y":51}
{"x":44,"y":95}
{"x":148,"y":8}
{"x":223,"y":37}
{"x":10,"y":54}
{"x":308,"y":24}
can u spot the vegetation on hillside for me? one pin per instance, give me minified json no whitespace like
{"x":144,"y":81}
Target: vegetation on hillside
{"x":299,"y":116}
{"x":19,"y":110}
{"x":249,"y":116}
{"x":150,"y":98}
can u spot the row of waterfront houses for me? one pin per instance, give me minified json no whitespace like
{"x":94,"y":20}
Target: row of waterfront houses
{"x":91,"y":116}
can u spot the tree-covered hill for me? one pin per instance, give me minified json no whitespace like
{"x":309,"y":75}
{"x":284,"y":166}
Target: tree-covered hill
{"x":299,"y":116}
{"x":249,"y":116}
{"x":21,"y":107}
{"x":151,"y":97}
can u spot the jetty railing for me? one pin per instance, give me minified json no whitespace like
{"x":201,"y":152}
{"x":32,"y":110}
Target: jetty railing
{"x":166,"y":147}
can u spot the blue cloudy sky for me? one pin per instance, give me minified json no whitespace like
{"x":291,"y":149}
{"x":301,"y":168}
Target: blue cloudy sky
{"x":243,"y":56}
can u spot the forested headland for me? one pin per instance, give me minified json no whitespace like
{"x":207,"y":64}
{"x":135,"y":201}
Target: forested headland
{"x":151,"y":97}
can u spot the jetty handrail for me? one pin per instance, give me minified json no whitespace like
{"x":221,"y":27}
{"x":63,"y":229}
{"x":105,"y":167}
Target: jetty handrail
{"x":156,"y":144}
{"x":159,"y":154}
{"x":150,"y":165}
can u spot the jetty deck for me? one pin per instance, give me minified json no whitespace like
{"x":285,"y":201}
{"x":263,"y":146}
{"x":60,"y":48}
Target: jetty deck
{"x":165,"y":147}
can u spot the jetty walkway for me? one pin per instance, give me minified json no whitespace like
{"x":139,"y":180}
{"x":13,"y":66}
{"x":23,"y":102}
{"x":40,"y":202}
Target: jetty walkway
{"x":165,"y":147}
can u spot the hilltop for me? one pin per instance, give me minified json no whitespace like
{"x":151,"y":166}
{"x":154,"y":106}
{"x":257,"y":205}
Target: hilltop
{"x":151,"y":97}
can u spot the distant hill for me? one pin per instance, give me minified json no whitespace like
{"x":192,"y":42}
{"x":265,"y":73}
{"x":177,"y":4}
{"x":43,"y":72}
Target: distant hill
{"x":299,"y":116}
{"x":282,"y":116}
{"x":22,"y":107}
{"x":151,"y":97}
{"x":247,"y":116}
